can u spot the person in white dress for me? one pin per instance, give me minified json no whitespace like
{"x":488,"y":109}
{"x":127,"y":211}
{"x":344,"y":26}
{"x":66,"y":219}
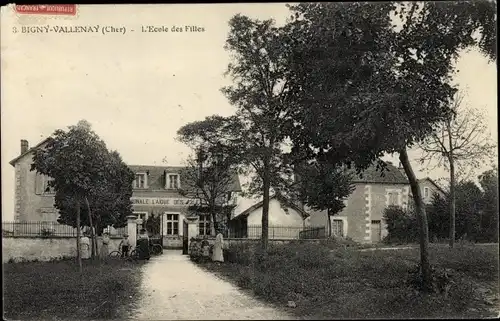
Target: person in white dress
{"x":85,"y":246}
{"x":105,"y":245}
{"x":218,"y":255}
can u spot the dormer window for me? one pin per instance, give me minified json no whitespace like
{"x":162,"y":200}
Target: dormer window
{"x":172,"y":181}
{"x":141,"y":180}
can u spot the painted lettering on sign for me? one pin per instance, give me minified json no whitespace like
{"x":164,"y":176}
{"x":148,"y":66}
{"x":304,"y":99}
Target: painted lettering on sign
{"x":157,"y":201}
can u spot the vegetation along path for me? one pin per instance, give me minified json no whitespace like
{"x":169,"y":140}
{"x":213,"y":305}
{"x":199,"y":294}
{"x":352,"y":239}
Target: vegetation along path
{"x":173,"y":288}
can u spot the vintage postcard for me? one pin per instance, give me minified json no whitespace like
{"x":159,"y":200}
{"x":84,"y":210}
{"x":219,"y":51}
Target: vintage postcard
{"x":249,"y":161}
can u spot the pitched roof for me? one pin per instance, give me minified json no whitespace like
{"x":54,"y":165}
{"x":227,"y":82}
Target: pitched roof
{"x":14,"y":161}
{"x":433,"y":183}
{"x":287,"y":202}
{"x":391,"y":175}
{"x":156,"y":175}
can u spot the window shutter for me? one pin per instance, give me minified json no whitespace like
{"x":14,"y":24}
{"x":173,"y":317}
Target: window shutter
{"x":38,"y":184}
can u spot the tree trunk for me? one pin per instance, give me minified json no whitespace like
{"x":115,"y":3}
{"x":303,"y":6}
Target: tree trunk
{"x":92,"y":234}
{"x":265,"y":207}
{"x":213,"y":223}
{"x":452,"y":190}
{"x":329,"y":223}
{"x":97,"y":223}
{"x":422,"y":220}
{"x":78,"y":235}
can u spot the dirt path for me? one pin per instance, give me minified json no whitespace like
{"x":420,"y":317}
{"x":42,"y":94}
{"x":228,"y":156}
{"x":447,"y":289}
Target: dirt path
{"x":173,"y":288}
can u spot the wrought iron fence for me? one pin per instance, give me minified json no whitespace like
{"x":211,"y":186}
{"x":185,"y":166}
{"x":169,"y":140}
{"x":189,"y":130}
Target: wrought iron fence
{"x":45,"y":228}
{"x":275,"y":232}
{"x":313,"y":233}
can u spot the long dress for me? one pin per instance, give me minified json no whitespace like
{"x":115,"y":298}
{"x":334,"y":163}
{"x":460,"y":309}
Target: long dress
{"x":143,"y":246}
{"x":85,"y":247}
{"x":105,"y":246}
{"x":217,"y":255}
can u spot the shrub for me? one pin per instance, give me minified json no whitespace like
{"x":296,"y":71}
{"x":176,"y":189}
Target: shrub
{"x":46,"y":232}
{"x":340,"y":242}
{"x":240,"y":253}
{"x":441,"y":280}
{"x":402,"y":225}
{"x":244,"y":277}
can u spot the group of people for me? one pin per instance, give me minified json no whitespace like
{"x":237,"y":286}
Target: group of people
{"x":142,"y":248}
{"x":85,"y":245}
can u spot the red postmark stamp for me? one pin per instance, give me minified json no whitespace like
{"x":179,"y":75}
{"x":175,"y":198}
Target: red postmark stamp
{"x":47,"y":9}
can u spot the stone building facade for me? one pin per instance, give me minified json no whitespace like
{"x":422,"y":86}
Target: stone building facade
{"x":155,"y":192}
{"x":362,"y":217}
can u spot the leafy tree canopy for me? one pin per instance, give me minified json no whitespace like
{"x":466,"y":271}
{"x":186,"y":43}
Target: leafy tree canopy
{"x":82,"y":167}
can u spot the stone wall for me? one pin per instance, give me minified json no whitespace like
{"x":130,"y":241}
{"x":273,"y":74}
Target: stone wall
{"x":44,"y":249}
{"x":234,"y":241}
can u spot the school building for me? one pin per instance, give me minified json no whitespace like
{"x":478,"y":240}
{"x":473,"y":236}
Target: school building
{"x":155,"y":192}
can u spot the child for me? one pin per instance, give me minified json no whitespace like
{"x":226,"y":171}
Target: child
{"x":105,"y":245}
{"x":124,"y":245}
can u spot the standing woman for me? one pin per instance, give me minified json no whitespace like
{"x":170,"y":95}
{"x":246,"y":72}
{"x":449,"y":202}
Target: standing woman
{"x":218,"y":255}
{"x":105,"y":245}
{"x":85,"y":246}
{"x":143,"y":245}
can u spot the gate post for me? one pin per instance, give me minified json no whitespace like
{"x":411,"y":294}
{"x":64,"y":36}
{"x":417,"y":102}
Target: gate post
{"x":192,"y":230}
{"x":132,"y":230}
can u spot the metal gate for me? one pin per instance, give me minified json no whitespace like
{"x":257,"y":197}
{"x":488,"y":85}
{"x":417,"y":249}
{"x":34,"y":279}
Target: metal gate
{"x":185,"y":238}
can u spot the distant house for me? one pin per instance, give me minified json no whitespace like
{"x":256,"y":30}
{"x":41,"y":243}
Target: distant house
{"x":286,"y":220}
{"x":362,"y":218}
{"x":429,"y":188}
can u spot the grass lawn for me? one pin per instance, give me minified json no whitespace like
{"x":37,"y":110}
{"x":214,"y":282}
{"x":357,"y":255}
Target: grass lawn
{"x":56,"y":290}
{"x":347,"y":283}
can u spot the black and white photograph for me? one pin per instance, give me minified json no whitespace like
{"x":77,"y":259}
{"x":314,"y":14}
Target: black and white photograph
{"x":250,"y":161}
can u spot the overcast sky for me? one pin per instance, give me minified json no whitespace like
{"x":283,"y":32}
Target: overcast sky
{"x":138,"y":89}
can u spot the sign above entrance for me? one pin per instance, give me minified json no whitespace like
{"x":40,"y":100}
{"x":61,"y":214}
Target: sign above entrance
{"x":164,"y":201}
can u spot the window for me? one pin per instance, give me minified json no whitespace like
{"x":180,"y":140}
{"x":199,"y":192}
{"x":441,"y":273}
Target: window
{"x":204,"y":225}
{"x":338,"y":228}
{"x":173,"y":181}
{"x":140,"y":180}
{"x":172,"y":224}
{"x":47,"y":189}
{"x":426,"y":192}
{"x":393,"y":198}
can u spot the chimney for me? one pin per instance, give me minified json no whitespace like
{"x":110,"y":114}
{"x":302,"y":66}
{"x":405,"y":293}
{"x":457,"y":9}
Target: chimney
{"x":24,"y":146}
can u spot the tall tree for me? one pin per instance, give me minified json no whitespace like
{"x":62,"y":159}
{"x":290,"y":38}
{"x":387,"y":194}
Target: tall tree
{"x":462,"y":140}
{"x":77,"y":161}
{"x":110,"y":200}
{"x":260,"y":94}
{"x":366,"y":88}
{"x":210,"y":175}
